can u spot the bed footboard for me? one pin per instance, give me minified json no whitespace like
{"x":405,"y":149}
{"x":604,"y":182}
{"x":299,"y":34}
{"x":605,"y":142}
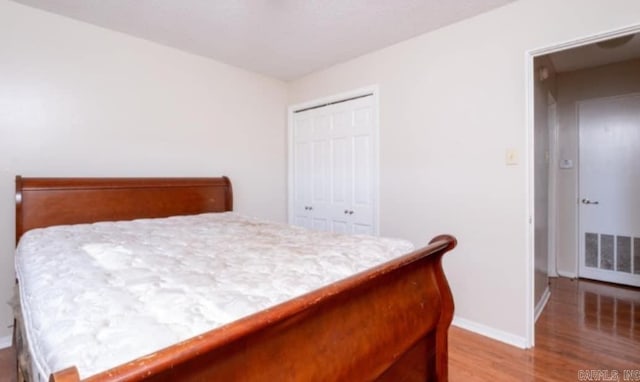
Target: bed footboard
{"x":389,"y":323}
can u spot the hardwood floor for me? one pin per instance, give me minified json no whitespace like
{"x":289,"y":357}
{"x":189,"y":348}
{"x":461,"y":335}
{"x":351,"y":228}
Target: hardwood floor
{"x":585,"y":326}
{"x":7,"y":365}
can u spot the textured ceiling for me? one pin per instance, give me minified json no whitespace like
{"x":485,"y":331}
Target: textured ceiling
{"x":280,"y":38}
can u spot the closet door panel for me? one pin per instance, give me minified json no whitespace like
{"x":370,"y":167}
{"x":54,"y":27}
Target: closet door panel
{"x":362,"y":202}
{"x":321,"y":123}
{"x":302,"y":182}
{"x":342,"y":157}
{"x":340,"y":226}
{"x":321,"y":171}
{"x":302,"y":220}
{"x":363,"y":229}
{"x":341,"y":170}
{"x":362,"y":115}
{"x":362,"y":180}
{"x":363,"y":166}
{"x":340,"y":152}
{"x":341,"y":183}
{"x":320,"y":224}
{"x":321,"y":180}
{"x":342,"y":120}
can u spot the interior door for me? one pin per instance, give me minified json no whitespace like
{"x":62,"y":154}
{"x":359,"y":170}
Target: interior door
{"x":334,"y":169}
{"x":302,"y":158}
{"x":353,"y":166}
{"x":610,"y":189}
{"x":321,"y":168}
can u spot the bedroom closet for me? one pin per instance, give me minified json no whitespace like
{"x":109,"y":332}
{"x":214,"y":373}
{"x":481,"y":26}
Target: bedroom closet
{"x":333,"y":167}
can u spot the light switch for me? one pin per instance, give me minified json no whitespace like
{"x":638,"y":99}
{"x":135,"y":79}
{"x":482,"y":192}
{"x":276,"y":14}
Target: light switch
{"x":511,"y":157}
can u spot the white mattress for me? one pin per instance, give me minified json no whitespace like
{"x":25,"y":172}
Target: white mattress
{"x":98,"y":295}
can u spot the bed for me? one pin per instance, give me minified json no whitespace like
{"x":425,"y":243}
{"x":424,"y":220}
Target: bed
{"x":386,"y":323}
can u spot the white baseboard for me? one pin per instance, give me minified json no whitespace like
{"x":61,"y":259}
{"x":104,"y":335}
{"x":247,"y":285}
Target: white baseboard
{"x":541,"y":304}
{"x":6,"y":342}
{"x":490,"y":332}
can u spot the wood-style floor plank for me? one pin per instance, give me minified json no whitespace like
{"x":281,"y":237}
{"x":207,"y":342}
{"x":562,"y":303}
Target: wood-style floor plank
{"x":7,"y":365}
{"x":586,"y":325}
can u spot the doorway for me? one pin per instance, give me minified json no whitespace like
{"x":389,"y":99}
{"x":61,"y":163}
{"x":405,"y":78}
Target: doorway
{"x":587,"y":62}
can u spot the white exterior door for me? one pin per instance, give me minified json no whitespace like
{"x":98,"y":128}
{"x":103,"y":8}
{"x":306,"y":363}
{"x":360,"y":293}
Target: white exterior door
{"x":334,"y":169}
{"x":610,"y":189}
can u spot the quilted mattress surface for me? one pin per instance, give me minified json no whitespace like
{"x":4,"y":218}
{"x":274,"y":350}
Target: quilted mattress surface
{"x":97,"y":295}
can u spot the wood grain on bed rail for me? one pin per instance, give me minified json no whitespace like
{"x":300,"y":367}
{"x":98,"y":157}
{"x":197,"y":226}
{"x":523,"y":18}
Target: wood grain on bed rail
{"x":389,"y":323}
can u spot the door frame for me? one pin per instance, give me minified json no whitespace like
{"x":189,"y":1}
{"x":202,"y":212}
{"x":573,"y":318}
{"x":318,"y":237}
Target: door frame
{"x":529,"y":57}
{"x":552,"y":213}
{"x":374,"y":90}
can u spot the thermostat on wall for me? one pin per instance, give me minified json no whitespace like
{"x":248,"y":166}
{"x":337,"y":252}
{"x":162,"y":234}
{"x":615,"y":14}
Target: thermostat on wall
{"x":566,"y":164}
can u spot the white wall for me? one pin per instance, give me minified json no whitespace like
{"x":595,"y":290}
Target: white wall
{"x":451,"y":102}
{"x":78,"y":100}
{"x":603,"y":81}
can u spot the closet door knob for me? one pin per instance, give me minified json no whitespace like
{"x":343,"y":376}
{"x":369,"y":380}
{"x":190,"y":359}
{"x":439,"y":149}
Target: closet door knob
{"x":346,"y":211}
{"x":310,"y":208}
{"x":350,"y":212}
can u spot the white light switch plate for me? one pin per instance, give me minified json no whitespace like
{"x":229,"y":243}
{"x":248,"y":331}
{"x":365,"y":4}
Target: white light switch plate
{"x":511,"y":157}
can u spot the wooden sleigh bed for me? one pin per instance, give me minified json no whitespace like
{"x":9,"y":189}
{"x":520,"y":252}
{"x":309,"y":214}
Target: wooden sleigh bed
{"x":389,"y":323}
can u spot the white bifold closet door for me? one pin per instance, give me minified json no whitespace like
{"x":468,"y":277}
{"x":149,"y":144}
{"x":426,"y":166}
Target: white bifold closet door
{"x":334,"y":167}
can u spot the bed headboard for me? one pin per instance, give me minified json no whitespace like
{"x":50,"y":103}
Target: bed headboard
{"x":43,"y":202}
